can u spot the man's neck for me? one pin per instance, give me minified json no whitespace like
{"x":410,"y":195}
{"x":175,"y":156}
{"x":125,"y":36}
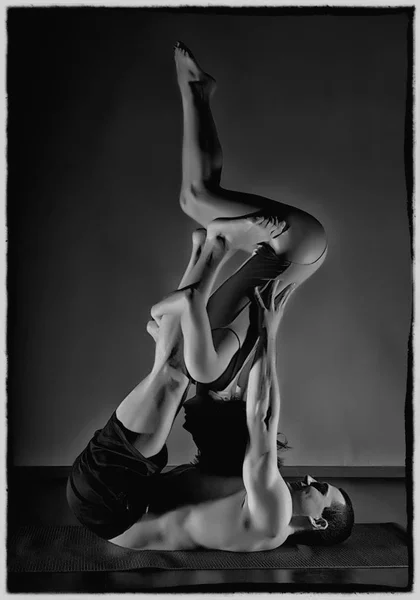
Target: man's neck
{"x":297,"y":522}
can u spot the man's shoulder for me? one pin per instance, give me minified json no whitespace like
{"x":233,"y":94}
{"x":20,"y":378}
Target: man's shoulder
{"x":259,"y":541}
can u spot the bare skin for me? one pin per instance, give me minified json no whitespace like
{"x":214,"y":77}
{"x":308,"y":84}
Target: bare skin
{"x":206,"y":354}
{"x":205,"y":357}
{"x":202,"y":197}
{"x":260,"y":514}
{"x":207,"y":351}
{"x":243,"y":221}
{"x":151,"y":407}
{"x":264,"y":510}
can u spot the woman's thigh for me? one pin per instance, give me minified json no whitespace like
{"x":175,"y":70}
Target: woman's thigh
{"x":204,"y":204}
{"x":303,"y":241}
{"x":240,"y":314}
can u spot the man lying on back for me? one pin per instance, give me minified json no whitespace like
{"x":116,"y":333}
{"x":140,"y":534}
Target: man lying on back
{"x":117,"y":488}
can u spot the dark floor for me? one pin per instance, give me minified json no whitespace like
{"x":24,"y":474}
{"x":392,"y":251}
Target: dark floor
{"x":41,"y":500}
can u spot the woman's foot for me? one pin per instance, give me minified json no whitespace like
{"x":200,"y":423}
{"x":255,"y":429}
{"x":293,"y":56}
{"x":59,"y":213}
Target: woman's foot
{"x":246,"y":232}
{"x":190,"y":74}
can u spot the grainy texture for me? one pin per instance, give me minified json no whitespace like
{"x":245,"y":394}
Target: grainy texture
{"x":96,"y":235}
{"x":36,"y":549}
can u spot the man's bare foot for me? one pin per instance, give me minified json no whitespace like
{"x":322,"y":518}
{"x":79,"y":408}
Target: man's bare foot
{"x":199,"y":237}
{"x":189,"y":72}
{"x":152,"y":329}
{"x":174,"y":304}
{"x":198,"y":240}
{"x":216,"y":249}
{"x":246,"y":232}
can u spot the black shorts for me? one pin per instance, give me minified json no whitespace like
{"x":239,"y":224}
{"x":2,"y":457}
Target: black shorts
{"x":220,"y":432}
{"x":111,"y":483}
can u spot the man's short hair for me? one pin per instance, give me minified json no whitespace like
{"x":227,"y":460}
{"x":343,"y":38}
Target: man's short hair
{"x":340,"y":524}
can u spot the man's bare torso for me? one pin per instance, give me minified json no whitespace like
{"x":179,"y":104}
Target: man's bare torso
{"x":223,"y":523}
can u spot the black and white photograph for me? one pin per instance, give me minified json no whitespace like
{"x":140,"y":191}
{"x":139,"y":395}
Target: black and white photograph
{"x":209,"y":223}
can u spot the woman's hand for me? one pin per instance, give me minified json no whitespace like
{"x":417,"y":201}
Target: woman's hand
{"x":272,"y":310}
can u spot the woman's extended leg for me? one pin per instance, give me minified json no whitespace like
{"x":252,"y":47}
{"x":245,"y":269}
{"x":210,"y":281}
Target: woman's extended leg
{"x":201,"y":150}
{"x":201,"y":196}
{"x":205,"y":359}
{"x":295,"y":242}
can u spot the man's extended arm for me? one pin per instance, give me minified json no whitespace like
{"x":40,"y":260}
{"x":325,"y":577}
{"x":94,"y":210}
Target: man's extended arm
{"x":267,"y":494}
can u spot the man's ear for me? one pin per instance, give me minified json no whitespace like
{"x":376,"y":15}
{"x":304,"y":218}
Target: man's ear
{"x":319,"y":523}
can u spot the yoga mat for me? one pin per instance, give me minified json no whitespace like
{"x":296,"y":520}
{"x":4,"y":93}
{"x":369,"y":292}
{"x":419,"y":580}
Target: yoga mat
{"x":63,"y":549}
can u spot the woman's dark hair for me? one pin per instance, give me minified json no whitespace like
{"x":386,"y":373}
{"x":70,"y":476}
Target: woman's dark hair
{"x":340,"y":524}
{"x":281,"y":447}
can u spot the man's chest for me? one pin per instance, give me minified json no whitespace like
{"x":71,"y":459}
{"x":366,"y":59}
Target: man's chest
{"x":215,"y":524}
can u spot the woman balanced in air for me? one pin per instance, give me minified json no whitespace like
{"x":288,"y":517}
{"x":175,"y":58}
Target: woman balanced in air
{"x":224,"y":343}
{"x":285,"y":243}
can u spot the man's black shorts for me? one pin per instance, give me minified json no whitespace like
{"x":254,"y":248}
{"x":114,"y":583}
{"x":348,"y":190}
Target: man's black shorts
{"x":111,"y":483}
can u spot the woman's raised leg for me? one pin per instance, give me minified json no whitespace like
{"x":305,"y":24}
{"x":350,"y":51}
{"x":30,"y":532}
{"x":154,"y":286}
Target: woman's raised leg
{"x":201,"y":150}
{"x":202,"y":198}
{"x":244,"y":219}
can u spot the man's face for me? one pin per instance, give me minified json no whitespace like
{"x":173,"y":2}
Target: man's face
{"x":310,"y":497}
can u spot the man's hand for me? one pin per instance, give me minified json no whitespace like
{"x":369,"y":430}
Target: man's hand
{"x":272,"y":308}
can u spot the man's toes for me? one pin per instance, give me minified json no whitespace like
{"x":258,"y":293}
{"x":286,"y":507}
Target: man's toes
{"x":199,"y":237}
{"x":155,"y":312}
{"x":152,"y":329}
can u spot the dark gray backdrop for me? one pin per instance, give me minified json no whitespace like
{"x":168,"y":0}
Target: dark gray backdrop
{"x":310,"y":110}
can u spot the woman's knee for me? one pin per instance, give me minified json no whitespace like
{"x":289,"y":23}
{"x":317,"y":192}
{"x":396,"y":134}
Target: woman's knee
{"x":193,"y":201}
{"x":188,"y":196}
{"x":307,"y":239}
